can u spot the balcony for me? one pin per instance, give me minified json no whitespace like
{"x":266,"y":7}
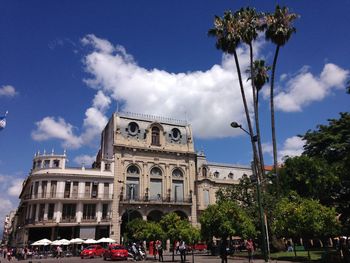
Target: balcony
{"x":66,"y":195}
{"x":68,"y":220}
{"x":88,"y":219}
{"x":157,"y":200}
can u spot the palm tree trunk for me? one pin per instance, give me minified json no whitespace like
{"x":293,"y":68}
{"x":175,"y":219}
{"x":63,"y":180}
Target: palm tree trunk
{"x":256,"y":112}
{"x":272,"y":108}
{"x":251,"y":132}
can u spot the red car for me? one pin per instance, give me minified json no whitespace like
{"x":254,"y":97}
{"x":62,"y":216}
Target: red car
{"x":92,"y":251}
{"x":200,"y":246}
{"x":115,"y":251}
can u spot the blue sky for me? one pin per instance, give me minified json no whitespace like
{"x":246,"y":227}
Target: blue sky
{"x":66,"y":66}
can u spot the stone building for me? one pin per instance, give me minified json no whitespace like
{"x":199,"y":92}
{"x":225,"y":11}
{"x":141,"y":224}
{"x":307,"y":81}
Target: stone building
{"x":146,"y":167}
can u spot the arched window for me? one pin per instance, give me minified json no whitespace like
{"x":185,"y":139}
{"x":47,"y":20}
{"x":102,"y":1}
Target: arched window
{"x":216,"y":174}
{"x":177,"y":173}
{"x":204,"y":172}
{"x":230,"y":175}
{"x":133,"y":170}
{"x":156,"y":171}
{"x":155,"y":136}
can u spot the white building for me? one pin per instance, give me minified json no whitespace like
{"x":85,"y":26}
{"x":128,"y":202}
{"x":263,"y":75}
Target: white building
{"x":146,"y":167}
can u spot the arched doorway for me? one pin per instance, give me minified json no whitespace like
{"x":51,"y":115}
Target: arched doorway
{"x":128,"y":216}
{"x":155,"y":216}
{"x":181,"y":214}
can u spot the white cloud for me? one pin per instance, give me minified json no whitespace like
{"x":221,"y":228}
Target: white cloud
{"x":85,"y":159}
{"x":292,"y":146}
{"x":267,"y":148}
{"x":8,"y":91}
{"x":101,"y":101}
{"x":49,"y":128}
{"x":209,"y":99}
{"x":306,"y":88}
{"x":15,"y":187}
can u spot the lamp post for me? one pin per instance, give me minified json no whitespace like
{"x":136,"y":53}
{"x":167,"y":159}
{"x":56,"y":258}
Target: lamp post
{"x":255,"y":167}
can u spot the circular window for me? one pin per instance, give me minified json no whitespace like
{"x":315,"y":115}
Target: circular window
{"x":133,"y":128}
{"x":133,"y":170}
{"x":216,"y":174}
{"x":177,"y":173}
{"x":156,"y":171}
{"x":175,"y":134}
{"x":230,"y":175}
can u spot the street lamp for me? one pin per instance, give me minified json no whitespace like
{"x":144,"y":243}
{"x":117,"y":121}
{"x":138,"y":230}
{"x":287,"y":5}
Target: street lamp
{"x":254,"y":139}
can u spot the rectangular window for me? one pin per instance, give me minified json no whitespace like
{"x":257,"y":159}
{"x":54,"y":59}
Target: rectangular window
{"x":33,"y":212}
{"x":107,"y":166}
{"x":75,"y":189}
{"x":178,"y":191}
{"x":156,"y":189}
{"x":51,"y":211}
{"x":43,"y":189}
{"x":68,"y":211}
{"x":56,"y":163}
{"x":106,"y":190}
{"x":94,"y":191}
{"x":87,"y":189}
{"x":89,"y":211}
{"x":41,"y":212}
{"x":104,"y":211}
{"x":206,"y":197}
{"x":53,"y":188}
{"x":38,"y":164}
{"x":36,"y":189}
{"x":132,"y":188}
{"x":46,"y":163}
{"x":67,"y":189}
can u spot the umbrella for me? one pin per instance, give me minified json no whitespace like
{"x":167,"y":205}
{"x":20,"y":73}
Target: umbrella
{"x":56,"y":243}
{"x":90,"y":241}
{"x":64,"y":242}
{"x":76,"y":241}
{"x":106,"y":240}
{"x":42,"y":242}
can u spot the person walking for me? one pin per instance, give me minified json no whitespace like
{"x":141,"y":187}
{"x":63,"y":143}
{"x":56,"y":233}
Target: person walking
{"x":182,"y":249}
{"x":223,"y":251}
{"x":250,"y":248}
{"x":160,"y":251}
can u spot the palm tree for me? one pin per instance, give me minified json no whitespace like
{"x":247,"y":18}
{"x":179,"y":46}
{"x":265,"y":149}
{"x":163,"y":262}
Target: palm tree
{"x":227,"y":31}
{"x":251,"y":23}
{"x":279,"y":29}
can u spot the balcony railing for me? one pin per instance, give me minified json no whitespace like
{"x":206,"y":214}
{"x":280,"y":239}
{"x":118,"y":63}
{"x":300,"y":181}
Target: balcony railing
{"x":157,"y":199}
{"x":68,"y":220}
{"x":66,"y":195}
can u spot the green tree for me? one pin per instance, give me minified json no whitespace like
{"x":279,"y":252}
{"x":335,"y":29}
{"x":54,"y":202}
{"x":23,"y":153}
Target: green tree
{"x":297,"y":217}
{"x":226,"y":219}
{"x":279,"y":29}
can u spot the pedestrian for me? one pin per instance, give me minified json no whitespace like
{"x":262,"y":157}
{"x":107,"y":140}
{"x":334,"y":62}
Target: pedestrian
{"x":250,"y":248}
{"x":182,"y":249}
{"x":59,"y":251}
{"x":155,"y":250}
{"x":223,"y":251}
{"x":160,"y":251}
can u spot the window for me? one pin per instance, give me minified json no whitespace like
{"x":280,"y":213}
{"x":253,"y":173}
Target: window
{"x":107,"y":166}
{"x":56,"y":163}
{"x":75,"y":189}
{"x":46,"y":163}
{"x":53,"y":188}
{"x":50,"y":211}
{"x":41,"y":212}
{"x":204,"y":172}
{"x":36,"y":189}
{"x":155,"y":136}
{"x":230,"y":175}
{"x":67,"y":189}
{"x":178,"y":191}
{"x":133,"y":128}
{"x":177,"y":173}
{"x":94,"y":191}
{"x":216,"y":174}
{"x":175,"y":134}
{"x":156,"y":189}
{"x":89,"y":211}
{"x":87,"y":189}
{"x":38,"y":164}
{"x":106,"y":190}
{"x":156,"y":171}
{"x":133,"y":170}
{"x":33,"y":212}
{"x":68,"y":211}
{"x":43,"y":189}
{"x":132,"y":188}
{"x":206,"y":197}
{"x":104,"y":211}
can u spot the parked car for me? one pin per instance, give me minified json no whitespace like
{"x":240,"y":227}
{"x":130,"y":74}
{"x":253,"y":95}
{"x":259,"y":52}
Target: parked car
{"x":200,"y":246}
{"x":92,"y":251}
{"x":115,"y":251}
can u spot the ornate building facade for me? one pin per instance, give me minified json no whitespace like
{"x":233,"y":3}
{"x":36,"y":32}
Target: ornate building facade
{"x":146,"y":167}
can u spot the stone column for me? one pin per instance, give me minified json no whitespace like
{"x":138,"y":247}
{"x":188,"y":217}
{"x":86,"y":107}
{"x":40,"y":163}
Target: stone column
{"x":115,"y":226}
